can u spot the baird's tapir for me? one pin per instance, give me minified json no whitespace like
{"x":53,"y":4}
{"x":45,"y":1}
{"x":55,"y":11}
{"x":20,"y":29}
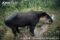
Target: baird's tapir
{"x":29,"y":19}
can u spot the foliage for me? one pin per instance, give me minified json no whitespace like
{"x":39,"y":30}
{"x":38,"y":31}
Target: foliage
{"x":50,"y":6}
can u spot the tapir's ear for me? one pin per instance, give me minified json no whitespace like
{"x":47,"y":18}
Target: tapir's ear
{"x":43,"y":13}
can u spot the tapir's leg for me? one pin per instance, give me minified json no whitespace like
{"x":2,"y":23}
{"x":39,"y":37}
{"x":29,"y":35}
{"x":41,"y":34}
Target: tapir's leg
{"x":14,"y":31}
{"x":17,"y":30}
{"x":32,"y":30}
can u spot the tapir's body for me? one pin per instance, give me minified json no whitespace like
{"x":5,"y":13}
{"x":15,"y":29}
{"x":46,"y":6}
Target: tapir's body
{"x":24,"y":19}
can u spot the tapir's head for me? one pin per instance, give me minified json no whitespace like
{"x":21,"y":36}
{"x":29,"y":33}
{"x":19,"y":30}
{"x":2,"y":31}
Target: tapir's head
{"x":44,"y":16}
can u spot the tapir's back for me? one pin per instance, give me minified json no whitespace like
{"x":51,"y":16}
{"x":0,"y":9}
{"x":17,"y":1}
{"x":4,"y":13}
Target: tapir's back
{"x":26,"y":18}
{"x":21,"y":19}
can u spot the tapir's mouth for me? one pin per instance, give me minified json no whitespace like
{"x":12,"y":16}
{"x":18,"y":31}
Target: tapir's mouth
{"x":50,"y":21}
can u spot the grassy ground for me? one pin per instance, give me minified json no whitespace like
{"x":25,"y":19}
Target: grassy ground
{"x":53,"y":29}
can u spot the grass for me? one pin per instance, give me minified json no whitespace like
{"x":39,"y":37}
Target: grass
{"x":31,"y":5}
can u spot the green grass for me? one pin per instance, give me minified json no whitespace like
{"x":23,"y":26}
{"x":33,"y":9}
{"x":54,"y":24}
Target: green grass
{"x":48,"y":6}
